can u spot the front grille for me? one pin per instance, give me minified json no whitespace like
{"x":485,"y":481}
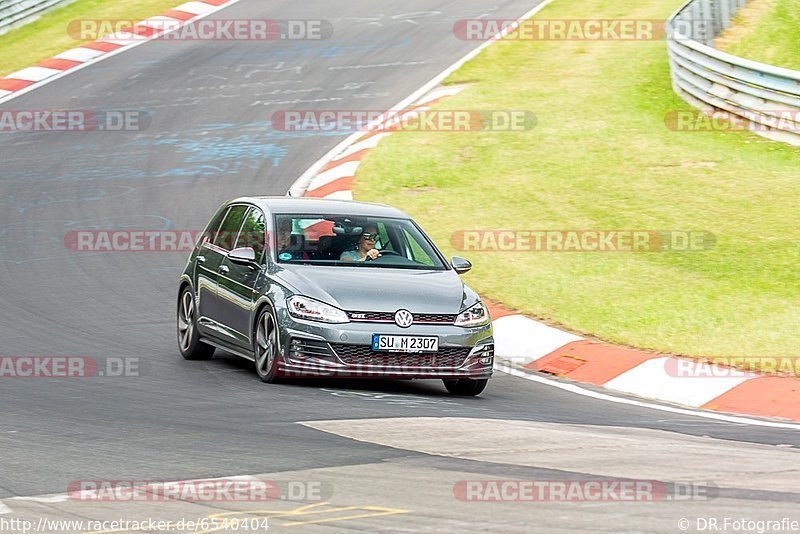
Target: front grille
{"x":434,"y":318}
{"x":363,"y":355}
{"x":371,"y":317}
{"x":388,"y":317}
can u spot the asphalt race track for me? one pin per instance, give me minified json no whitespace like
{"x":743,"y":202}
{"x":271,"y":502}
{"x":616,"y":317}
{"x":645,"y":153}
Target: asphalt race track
{"x":209,"y":139}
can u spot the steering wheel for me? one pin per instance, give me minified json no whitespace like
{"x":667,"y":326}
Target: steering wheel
{"x":384,"y":253}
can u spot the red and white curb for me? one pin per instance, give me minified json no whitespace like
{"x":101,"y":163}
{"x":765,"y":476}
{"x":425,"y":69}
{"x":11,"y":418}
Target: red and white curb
{"x":528,"y":345}
{"x":30,"y":78}
{"x":532,"y":346}
{"x":335,"y":179}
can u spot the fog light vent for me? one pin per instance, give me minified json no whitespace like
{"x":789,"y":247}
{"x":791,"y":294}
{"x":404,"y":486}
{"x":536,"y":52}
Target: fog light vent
{"x":302,"y":349}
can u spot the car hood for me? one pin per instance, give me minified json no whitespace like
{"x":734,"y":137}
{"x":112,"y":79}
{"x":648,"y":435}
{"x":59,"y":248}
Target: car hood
{"x":380,"y":289}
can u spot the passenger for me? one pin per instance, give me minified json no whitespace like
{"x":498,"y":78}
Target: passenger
{"x":366,"y":247}
{"x":286,"y":251}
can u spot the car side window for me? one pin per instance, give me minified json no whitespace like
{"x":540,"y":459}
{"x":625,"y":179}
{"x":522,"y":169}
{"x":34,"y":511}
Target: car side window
{"x":229,"y":229}
{"x":253,"y":232}
{"x":213,"y":227}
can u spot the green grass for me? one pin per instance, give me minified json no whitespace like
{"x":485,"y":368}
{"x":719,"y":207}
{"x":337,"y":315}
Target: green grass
{"x":774,"y":38}
{"x":47,"y":36}
{"x":601,"y":157}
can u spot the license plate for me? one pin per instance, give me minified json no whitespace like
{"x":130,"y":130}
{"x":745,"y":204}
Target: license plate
{"x":381,"y":342}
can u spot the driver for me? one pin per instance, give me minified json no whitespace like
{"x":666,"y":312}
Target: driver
{"x":366,"y":247}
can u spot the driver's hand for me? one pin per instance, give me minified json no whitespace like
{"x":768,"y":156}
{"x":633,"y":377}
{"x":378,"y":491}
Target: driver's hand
{"x":373,"y":254}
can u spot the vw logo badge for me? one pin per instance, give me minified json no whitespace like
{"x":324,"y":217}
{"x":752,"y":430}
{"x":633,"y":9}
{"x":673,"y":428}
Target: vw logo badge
{"x":403,"y":318}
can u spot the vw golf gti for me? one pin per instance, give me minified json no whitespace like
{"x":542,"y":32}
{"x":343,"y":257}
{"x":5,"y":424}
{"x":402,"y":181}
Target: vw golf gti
{"x":308,"y":287}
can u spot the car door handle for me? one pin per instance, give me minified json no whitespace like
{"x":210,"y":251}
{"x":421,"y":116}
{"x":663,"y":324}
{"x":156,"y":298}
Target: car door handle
{"x":201,"y":259}
{"x":224,"y":269}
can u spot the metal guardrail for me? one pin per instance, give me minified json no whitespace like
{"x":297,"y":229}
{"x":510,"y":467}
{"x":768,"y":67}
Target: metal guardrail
{"x":764,"y":97}
{"x":15,"y":13}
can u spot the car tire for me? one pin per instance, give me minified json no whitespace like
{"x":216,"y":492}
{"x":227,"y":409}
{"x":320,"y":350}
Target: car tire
{"x":465,"y":387}
{"x":188,"y":337}
{"x":265,"y":346}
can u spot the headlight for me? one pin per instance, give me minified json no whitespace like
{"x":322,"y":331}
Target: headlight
{"x":477,"y":315}
{"x":314,"y":310}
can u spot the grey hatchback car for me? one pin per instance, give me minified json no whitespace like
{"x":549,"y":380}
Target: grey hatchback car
{"x":307,"y":287}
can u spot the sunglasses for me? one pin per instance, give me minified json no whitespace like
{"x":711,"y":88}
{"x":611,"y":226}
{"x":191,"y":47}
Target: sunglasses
{"x":370,"y":237}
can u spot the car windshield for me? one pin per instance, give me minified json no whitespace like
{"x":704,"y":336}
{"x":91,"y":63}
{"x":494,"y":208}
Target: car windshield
{"x":354,"y":241}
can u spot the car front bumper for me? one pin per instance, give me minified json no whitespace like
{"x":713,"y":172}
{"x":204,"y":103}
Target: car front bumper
{"x":312,"y":349}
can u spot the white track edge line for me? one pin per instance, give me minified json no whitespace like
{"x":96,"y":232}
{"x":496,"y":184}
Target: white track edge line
{"x":574,"y":388}
{"x":107,"y":55}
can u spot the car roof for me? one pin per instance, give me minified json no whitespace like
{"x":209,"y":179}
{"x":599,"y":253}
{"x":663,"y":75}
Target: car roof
{"x":321,"y":206}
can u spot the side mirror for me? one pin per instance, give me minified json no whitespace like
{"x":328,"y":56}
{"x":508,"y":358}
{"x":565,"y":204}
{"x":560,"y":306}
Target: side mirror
{"x":242,"y":256}
{"x":460,"y":265}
